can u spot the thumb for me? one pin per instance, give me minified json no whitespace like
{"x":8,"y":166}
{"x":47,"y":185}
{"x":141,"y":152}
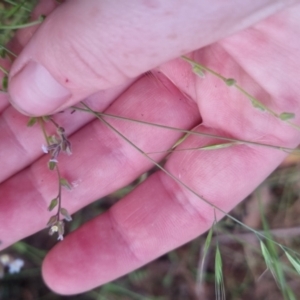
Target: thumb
{"x":87,"y":46}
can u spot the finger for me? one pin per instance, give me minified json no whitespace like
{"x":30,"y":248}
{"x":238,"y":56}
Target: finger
{"x":3,"y":101}
{"x":84,"y":47}
{"x":99,"y":157}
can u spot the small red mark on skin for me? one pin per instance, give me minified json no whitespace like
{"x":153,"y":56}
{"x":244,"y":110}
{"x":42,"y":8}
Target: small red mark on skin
{"x":67,"y":80}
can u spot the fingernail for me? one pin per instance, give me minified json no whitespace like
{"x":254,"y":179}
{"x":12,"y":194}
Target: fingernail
{"x":34,"y":91}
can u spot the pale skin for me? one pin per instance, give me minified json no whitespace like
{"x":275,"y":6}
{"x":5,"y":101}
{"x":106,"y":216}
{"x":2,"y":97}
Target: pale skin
{"x":160,"y":214}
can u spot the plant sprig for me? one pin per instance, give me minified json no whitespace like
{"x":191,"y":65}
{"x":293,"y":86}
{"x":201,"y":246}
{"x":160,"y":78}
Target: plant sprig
{"x":13,"y":16}
{"x":200,"y":69}
{"x":55,"y":145}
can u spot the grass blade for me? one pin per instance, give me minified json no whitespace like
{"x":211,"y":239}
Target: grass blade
{"x":219,"y":279}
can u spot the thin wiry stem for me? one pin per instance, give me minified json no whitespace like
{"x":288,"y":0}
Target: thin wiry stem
{"x":4,"y":70}
{"x":54,"y":123}
{"x":8,"y":51}
{"x":42,"y":124}
{"x":96,"y":113}
{"x":59,"y":192}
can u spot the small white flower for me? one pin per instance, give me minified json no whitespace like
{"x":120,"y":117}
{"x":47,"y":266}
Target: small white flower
{"x":15,"y":266}
{"x":59,"y":228}
{"x":45,"y":149}
{"x":5,"y":259}
{"x":53,"y":229}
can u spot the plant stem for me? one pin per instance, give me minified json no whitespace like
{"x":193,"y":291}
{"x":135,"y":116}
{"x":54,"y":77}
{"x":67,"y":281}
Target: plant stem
{"x":42,"y":124}
{"x":8,"y":51}
{"x":4,"y":70}
{"x":21,"y":25}
{"x":288,"y":150}
{"x":59,"y":192}
{"x":14,"y":3}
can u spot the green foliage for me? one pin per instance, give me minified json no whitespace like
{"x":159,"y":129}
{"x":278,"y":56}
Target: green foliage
{"x":286,"y":116}
{"x":65,"y":183}
{"x":218,"y":146}
{"x":294,"y":261}
{"x":12,"y":14}
{"x":53,"y":204}
{"x":31,"y":121}
{"x":220,"y":289}
{"x":52,"y":221}
{"x":272,"y":259}
{"x":66,"y":214}
{"x":5,"y":83}
{"x":230,"y":81}
{"x":51,"y":165}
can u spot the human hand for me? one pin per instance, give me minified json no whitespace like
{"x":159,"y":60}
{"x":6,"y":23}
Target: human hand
{"x":159,"y":214}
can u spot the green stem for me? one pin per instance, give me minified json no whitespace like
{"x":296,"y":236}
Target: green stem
{"x":8,"y":51}
{"x":288,"y":150}
{"x":42,"y":124}
{"x":15,"y":4}
{"x":4,"y":71}
{"x":54,"y":123}
{"x":21,"y":25}
{"x":59,"y":192}
{"x":193,"y":63}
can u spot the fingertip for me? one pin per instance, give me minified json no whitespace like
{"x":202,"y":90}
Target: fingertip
{"x":51,"y":275}
{"x":34,"y":91}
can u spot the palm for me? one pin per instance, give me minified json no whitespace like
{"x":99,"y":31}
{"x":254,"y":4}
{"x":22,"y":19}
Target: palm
{"x":160,"y":214}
